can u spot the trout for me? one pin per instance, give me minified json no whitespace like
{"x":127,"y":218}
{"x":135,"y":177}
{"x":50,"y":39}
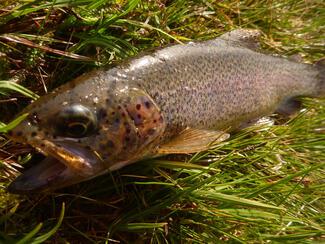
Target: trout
{"x":178,"y":99}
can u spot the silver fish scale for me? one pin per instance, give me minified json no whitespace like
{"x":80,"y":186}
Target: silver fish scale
{"x":215,"y":84}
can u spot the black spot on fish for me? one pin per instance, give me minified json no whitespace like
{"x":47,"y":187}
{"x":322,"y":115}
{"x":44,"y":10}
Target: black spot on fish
{"x":33,"y":134}
{"x":139,"y":116}
{"x":113,"y":113}
{"x":19,"y":133}
{"x":102,"y":113}
{"x":127,"y":130}
{"x":102,"y":146}
{"x":155,"y":121}
{"x":138,"y":106}
{"x":147,"y":104}
{"x":110,"y":144}
{"x":88,"y":147}
{"x":116,"y":124}
{"x":127,"y":139}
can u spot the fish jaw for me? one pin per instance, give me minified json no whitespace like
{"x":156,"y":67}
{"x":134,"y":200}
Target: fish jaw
{"x":58,"y":170}
{"x":67,"y":163}
{"x":50,"y":174}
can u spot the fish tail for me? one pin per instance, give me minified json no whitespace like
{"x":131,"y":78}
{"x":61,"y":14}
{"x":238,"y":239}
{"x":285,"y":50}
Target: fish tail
{"x":320,"y":65}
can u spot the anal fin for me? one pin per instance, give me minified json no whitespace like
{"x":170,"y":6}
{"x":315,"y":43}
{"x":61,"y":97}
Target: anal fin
{"x":192,"y":141}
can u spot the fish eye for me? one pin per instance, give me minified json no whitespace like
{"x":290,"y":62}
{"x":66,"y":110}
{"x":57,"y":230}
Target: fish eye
{"x":76,"y":129}
{"x":75,"y":121}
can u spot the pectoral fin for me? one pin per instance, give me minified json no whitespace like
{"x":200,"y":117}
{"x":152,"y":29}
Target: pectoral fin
{"x":289,"y":107}
{"x":192,"y":141}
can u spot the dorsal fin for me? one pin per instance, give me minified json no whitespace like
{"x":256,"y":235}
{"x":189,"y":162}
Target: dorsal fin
{"x":248,"y":38}
{"x":320,"y":62}
{"x":192,"y":141}
{"x":296,"y":58}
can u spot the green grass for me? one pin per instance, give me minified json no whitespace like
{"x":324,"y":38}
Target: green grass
{"x":266,"y":183}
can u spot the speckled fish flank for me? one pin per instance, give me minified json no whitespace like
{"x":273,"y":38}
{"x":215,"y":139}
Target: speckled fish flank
{"x":171,"y":101}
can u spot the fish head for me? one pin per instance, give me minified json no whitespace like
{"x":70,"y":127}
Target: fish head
{"x":86,"y":128}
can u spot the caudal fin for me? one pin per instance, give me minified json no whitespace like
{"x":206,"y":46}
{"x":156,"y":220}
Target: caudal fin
{"x":320,"y":65}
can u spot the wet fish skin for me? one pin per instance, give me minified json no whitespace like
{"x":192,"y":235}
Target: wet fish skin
{"x":137,"y":107}
{"x":217,"y":85}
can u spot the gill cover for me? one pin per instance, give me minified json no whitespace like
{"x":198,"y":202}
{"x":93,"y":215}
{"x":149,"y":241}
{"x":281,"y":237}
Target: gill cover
{"x":138,"y":125}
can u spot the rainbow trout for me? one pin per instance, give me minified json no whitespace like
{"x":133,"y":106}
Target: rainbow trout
{"x":176,"y":100}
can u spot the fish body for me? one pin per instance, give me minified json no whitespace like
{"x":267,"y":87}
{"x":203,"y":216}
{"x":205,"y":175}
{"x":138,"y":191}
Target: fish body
{"x":170,"y":101}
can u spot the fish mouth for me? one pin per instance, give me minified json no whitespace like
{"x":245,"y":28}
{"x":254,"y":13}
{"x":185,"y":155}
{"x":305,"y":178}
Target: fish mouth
{"x":46,"y":175}
{"x":66,"y":163}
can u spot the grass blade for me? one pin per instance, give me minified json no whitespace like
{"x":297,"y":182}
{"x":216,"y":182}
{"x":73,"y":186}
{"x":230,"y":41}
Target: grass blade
{"x":30,"y":235}
{"x":232,"y":199}
{"x":44,"y":237}
{"x":5,"y":128}
{"x":9,"y":85}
